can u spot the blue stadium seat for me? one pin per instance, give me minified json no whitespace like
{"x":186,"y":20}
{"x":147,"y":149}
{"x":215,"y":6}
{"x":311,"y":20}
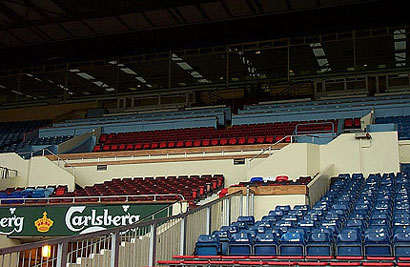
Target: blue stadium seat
{"x":319,"y":243}
{"x":223,"y":237}
{"x":292,"y":243}
{"x":207,"y":245}
{"x":349,"y":243}
{"x":249,"y":220}
{"x":240,"y":244}
{"x":377,"y":242}
{"x":401,"y":242}
{"x":265,"y":245}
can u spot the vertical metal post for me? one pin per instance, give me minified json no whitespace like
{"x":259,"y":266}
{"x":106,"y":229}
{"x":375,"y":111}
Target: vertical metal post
{"x":117,"y":81}
{"x":241,"y":205}
{"x":354,"y":52}
{"x":152,"y":245}
{"x":62,"y":250}
{"x":252,"y":203}
{"x":182,"y":237}
{"x":228,"y":209}
{"x":247,"y":200}
{"x":288,"y":59}
{"x":115,"y":247}
{"x":227,"y":68}
{"x":377,"y":85}
{"x":169,"y":69}
{"x":65,"y":89}
{"x":208,"y":220}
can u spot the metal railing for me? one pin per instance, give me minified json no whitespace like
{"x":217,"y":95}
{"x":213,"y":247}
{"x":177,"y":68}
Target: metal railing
{"x":139,"y":244}
{"x":7,"y":173}
{"x":292,"y":139}
{"x":46,"y":151}
{"x":92,"y":199}
{"x":298,"y":132}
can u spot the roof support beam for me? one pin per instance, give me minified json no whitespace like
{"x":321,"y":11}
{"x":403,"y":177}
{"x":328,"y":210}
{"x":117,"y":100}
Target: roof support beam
{"x":202,"y":11}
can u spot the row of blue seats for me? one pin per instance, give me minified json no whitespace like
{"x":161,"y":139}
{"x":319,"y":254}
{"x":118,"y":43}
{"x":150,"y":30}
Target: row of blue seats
{"x":26,"y":193}
{"x":349,"y":220}
{"x":403,"y":123}
{"x":223,"y":112}
{"x":348,"y":102}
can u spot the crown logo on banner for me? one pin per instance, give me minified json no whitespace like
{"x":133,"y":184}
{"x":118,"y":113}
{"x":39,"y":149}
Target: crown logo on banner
{"x":43,"y":224}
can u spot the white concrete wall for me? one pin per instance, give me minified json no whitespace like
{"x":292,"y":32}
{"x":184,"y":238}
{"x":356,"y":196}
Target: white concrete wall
{"x":233,"y":173}
{"x":44,"y":172}
{"x":37,"y":171}
{"x":404,"y":151}
{"x":379,"y":154}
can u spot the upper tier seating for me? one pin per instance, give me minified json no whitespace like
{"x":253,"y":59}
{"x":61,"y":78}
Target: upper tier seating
{"x":12,"y":133}
{"x":403,"y":125}
{"x":356,"y":218}
{"x":237,"y":135}
{"x":323,"y":109}
{"x":192,"y":189}
{"x":205,"y":117}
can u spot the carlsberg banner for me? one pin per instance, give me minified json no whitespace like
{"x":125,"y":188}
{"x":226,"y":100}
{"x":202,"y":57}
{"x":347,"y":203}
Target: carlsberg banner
{"x":71,"y":220}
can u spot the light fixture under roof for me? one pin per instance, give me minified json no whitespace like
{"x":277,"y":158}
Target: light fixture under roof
{"x":29,"y":74}
{"x":86,"y":93}
{"x":320,"y":56}
{"x":400,"y":45}
{"x":189,"y":69}
{"x":132,"y":89}
{"x":74,"y":70}
{"x":129,"y":71}
{"x":85,"y":76}
{"x":110,"y":89}
{"x":3,"y":87}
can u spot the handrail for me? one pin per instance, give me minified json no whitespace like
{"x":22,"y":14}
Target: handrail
{"x":315,"y":123}
{"x":292,"y":137}
{"x":99,"y":198}
{"x":112,"y":231}
{"x":44,"y":150}
{"x":6,"y":173}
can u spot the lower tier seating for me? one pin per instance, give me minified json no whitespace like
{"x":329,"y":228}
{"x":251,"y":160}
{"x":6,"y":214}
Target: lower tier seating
{"x":201,"y":137}
{"x":356,"y":218}
{"x":190,"y":188}
{"x":403,"y":125}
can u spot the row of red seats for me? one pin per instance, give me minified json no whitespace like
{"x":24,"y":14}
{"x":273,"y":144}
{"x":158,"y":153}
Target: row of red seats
{"x":352,"y":123}
{"x":200,"y":137}
{"x":191,"y":188}
{"x":192,"y":260}
{"x":194,"y":143}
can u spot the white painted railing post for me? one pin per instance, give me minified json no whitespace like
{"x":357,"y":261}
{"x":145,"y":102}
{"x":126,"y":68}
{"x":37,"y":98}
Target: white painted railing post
{"x":152,"y":245}
{"x":208,"y":220}
{"x":115,"y":247}
{"x":182,"y":237}
{"x":62,"y":251}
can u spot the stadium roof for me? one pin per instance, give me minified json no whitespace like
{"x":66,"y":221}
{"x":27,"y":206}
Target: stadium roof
{"x":125,"y":44}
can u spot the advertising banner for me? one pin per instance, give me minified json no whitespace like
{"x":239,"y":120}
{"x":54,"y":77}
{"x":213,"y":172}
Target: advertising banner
{"x":72,"y":220}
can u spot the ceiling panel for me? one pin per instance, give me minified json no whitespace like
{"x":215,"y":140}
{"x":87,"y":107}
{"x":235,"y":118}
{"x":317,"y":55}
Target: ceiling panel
{"x":78,"y":29}
{"x":27,"y":35}
{"x":191,"y":14}
{"x":109,"y":25}
{"x":9,"y":39}
{"x":136,"y":21}
{"x":55,"y":31}
{"x":215,"y":11}
{"x":161,"y":17}
{"x":239,"y":7}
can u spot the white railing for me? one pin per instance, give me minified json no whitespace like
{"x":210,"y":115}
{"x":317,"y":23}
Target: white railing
{"x":292,"y":139}
{"x":90,"y":199}
{"x":7,"y":173}
{"x":139,"y":244}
